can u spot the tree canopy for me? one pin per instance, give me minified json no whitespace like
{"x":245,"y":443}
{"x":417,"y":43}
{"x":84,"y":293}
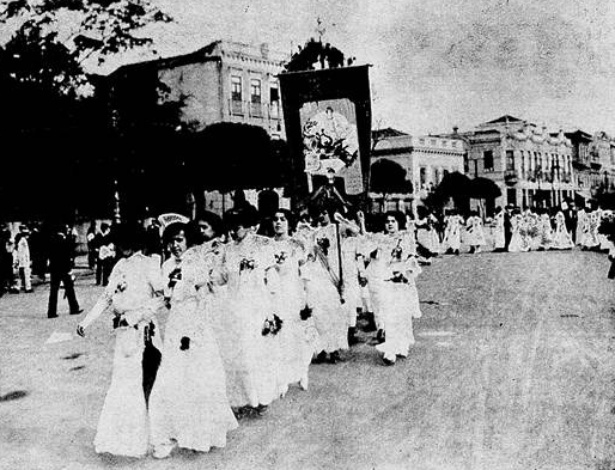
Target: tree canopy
{"x":389,"y":177}
{"x":315,"y":52}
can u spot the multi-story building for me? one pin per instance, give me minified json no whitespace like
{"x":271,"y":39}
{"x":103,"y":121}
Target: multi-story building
{"x":532,"y":167}
{"x":222,"y":82}
{"x":593,"y":159}
{"x":425,"y":159}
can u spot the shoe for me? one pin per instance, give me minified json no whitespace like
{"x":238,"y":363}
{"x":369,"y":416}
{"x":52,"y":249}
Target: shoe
{"x":77,"y":312}
{"x":55,"y":315}
{"x":321,"y":358}
{"x":371,"y":324}
{"x":352,"y":336}
{"x":388,"y":362}
{"x":29,"y":291}
{"x":334,"y":357}
{"x":303,"y":383}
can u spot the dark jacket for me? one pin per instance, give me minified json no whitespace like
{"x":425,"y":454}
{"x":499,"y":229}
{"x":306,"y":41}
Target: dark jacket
{"x":61,"y":253}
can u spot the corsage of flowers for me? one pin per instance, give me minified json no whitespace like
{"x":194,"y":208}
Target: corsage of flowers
{"x":396,"y":253}
{"x":280,"y":257}
{"x":121,"y":286}
{"x":247,"y":264}
{"x":305,"y":312}
{"x":398,"y":278}
{"x":272,"y":326}
{"x":324,"y":244}
{"x":174,"y":276}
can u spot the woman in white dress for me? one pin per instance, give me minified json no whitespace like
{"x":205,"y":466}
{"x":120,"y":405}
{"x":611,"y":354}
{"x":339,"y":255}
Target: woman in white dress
{"x":325,"y":291}
{"x":296,"y":348}
{"x":475,"y":235}
{"x":562,"y":240}
{"x":581,"y":224}
{"x":250,"y":347}
{"x":452,"y":233}
{"x":395,"y":266}
{"x":134,"y":292}
{"x":546,"y":230}
{"x":516,"y":222}
{"x":499,"y":236}
{"x":188,"y":406}
{"x":427,"y":233}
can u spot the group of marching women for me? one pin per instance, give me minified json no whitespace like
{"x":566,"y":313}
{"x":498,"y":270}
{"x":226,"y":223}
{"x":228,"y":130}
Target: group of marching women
{"x":532,"y":229}
{"x":248,"y":314}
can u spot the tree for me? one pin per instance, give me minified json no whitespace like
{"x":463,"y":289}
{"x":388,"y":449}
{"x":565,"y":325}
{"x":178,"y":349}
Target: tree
{"x":226,"y":156}
{"x":63,"y":146}
{"x":315,"y":52}
{"x":389,"y":177}
{"x":454,"y":186}
{"x":484,"y":189}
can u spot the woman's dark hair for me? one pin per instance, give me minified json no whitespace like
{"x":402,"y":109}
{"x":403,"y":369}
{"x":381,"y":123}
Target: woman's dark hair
{"x":128,"y":235}
{"x":175,"y":229}
{"x":399,"y":216}
{"x":214,"y":220}
{"x":290,"y":216}
{"x":246,"y":216}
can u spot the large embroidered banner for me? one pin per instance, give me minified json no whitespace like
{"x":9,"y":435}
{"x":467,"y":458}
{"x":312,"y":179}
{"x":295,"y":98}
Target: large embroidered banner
{"x":328,"y":126}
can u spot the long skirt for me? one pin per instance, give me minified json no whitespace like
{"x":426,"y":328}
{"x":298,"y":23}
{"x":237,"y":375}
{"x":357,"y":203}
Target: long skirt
{"x":188,"y":402}
{"x":251,"y":360}
{"x":123,"y":424}
{"x":400,"y":306}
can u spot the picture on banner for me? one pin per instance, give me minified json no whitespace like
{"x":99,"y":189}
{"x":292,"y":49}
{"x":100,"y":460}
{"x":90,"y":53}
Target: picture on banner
{"x":330,"y":141}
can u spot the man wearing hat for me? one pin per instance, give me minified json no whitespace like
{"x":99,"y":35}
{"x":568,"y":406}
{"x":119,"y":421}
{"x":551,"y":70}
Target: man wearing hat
{"x":507,"y":226}
{"x":61,"y":255}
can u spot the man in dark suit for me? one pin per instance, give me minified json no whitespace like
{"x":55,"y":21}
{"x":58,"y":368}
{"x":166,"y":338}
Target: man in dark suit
{"x":571,"y":217}
{"x":61,"y":255}
{"x":507,"y":226}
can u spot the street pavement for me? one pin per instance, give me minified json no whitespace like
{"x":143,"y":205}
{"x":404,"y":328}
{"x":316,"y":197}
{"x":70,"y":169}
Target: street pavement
{"x":513,"y":369}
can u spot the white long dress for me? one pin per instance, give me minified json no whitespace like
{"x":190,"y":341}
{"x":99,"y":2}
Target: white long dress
{"x":132,"y":292}
{"x":516,"y":242}
{"x":452,"y":234}
{"x":562,"y":239}
{"x":398,"y":301}
{"x":296,"y":348}
{"x":251,"y":360}
{"x":590,"y":232}
{"x":499,"y":237}
{"x":427,"y":235}
{"x":330,"y":317}
{"x":546,"y":232}
{"x":475,"y":235}
{"x":188,"y":404}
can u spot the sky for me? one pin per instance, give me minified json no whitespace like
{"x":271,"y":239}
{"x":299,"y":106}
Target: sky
{"x":438,"y":64}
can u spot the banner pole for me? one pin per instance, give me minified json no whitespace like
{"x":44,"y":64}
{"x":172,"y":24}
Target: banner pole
{"x":339,"y":260}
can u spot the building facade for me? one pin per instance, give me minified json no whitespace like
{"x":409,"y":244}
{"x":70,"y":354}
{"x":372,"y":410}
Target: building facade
{"x":222,"y":82}
{"x":532,"y":167}
{"x":425,"y":159}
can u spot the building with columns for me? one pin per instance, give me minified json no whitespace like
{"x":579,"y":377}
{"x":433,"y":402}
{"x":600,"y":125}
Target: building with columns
{"x":425,"y":159}
{"x":532,"y":166}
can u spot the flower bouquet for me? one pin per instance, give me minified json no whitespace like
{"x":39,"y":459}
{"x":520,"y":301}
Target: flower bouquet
{"x":398,"y":278}
{"x":272,"y":326}
{"x":281,"y":257}
{"x":324,"y":244}
{"x":305,"y":313}
{"x":247,"y":264}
